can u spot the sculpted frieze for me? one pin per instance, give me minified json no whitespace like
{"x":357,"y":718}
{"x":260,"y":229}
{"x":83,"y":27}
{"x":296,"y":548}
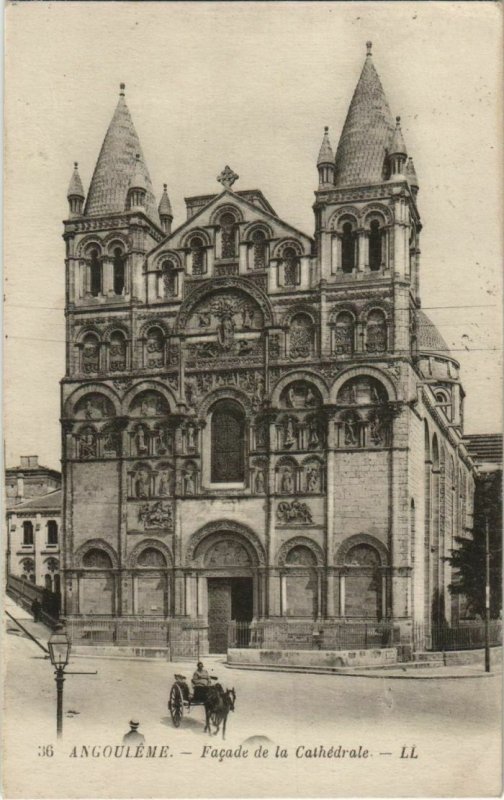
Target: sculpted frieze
{"x":154,"y":515}
{"x":249,"y":381}
{"x":224,"y":314}
{"x":225,"y":349}
{"x":294,"y":512}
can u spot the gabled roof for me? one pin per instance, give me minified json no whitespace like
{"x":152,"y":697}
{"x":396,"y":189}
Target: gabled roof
{"x":239,"y":200}
{"x":116,"y":167}
{"x":367,"y":132}
{"x":44,"y":502}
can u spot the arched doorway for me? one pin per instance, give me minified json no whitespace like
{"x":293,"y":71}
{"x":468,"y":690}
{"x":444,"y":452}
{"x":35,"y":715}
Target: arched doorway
{"x":229,"y":576}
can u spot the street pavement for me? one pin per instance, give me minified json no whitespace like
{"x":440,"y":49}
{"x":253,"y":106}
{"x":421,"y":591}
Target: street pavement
{"x":454,"y":726}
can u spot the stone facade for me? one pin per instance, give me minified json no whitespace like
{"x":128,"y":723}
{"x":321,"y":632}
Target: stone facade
{"x":33,"y":541}
{"x":257,"y":425}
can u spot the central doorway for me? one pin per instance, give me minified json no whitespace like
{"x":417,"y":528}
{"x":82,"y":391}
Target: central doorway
{"x":228,"y":599}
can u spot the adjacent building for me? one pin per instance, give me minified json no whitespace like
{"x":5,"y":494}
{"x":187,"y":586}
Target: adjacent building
{"x":258,"y":424}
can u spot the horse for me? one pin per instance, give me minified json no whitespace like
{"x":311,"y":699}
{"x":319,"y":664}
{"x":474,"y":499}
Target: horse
{"x":218,"y":704}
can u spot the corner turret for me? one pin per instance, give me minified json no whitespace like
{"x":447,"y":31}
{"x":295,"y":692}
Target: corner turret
{"x":325,"y":162}
{"x":75,"y":194}
{"x":165,"y":211}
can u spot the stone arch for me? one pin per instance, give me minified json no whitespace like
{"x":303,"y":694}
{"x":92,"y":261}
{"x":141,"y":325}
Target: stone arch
{"x":242,"y":284}
{"x":427,"y":441}
{"x":299,"y":375}
{"x":226,"y":208}
{"x":85,"y":331}
{"x":148,"y":544}
{"x":301,"y":308}
{"x":371,"y":372}
{"x":167,"y":255}
{"x":95,"y":544}
{"x":362,"y":539}
{"x":288,"y":242}
{"x":343,"y":214}
{"x":114,"y":240}
{"x":154,"y":322}
{"x":255,"y":226}
{"x":200,"y":232}
{"x":225,"y":526}
{"x":375,"y":210}
{"x":118,"y":327}
{"x":348,"y":308}
{"x":87,"y":243}
{"x":144,"y":386}
{"x":375,"y":305}
{"x":90,"y":388}
{"x":300,"y":541}
{"x":224,"y":393}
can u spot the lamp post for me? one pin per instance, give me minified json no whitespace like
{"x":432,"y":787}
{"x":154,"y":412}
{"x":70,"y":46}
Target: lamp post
{"x":59,"y":652}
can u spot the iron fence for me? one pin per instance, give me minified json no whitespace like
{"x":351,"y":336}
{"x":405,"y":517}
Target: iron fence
{"x":300,"y":635}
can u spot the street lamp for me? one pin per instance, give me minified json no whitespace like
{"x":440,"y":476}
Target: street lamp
{"x":59,"y":652}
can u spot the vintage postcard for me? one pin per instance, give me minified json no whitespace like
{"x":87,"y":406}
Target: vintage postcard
{"x":252,"y":385}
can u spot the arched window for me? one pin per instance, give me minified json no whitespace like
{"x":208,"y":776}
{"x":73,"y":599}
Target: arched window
{"x":228,"y":236}
{"x":376,"y":332}
{"x":52,"y":532}
{"x":301,"y":336}
{"x":258,"y":250}
{"x":169,"y":279}
{"x":444,"y":403}
{"x":291,"y":265}
{"x":117,"y":352}
{"x":119,"y":271}
{"x":198,"y":255}
{"x":348,"y":248}
{"x":27,"y":532}
{"x":90,"y":361}
{"x":344,"y":333}
{"x":28,"y":565}
{"x":95,"y":273}
{"x":367,"y":422}
{"x":154,"y":348}
{"x":228,"y":443}
{"x":48,"y":582}
{"x":375,"y":245}
{"x":95,"y":558}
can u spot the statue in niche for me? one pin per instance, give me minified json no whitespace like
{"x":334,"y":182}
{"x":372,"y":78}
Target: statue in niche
{"x":313,"y":434}
{"x":165,"y":480}
{"x":313,"y":480}
{"x":191,"y":443}
{"x":260,"y":483}
{"x":376,"y":430}
{"x":351,"y":431}
{"x":87,"y":445}
{"x":111,"y":442}
{"x":299,"y":395}
{"x":261,"y":435}
{"x":162,"y":440}
{"x":225,"y":332}
{"x":248,"y":315}
{"x":141,"y":441}
{"x":245,"y":348}
{"x":142,"y":488}
{"x":287,"y":485}
{"x":93,"y":409}
{"x":189,"y":487}
{"x":289,"y":433}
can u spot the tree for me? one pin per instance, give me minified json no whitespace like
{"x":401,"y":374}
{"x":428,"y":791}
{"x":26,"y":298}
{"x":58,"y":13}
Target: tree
{"x":468,"y":559}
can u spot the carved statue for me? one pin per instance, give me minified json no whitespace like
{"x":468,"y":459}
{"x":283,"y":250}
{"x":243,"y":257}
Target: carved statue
{"x":142,"y":488}
{"x":287,"y":482}
{"x":165,"y":480}
{"x":289,"y":435}
{"x":140,"y":441}
{"x":157,"y":515}
{"x":294,"y":512}
{"x":351,"y":429}
{"x":225,"y":332}
{"x":313,"y":480}
{"x":87,"y":445}
{"x":260,"y":482}
{"x":189,"y":487}
{"x":313,"y":434}
{"x":191,"y":444}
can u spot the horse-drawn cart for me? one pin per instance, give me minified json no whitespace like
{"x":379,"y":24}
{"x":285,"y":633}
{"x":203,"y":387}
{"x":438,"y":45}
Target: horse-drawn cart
{"x":216,"y":702}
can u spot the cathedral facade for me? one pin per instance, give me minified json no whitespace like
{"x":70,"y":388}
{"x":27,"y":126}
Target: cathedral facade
{"x":258,"y":425}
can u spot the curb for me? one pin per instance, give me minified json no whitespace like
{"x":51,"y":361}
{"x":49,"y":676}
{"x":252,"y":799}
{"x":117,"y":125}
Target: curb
{"x":414,"y":674}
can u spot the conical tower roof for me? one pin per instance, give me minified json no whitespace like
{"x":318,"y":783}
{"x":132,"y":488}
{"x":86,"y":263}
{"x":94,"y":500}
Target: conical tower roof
{"x":75,"y":188}
{"x":165,"y":209}
{"x":367,"y":132}
{"x":116,"y":167}
{"x":411,"y":173}
{"x":326,"y":155}
{"x":397,"y":146}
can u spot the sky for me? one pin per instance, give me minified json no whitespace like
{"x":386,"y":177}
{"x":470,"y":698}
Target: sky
{"x":250,"y":85}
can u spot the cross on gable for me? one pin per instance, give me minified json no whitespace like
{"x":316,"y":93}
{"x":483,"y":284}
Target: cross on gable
{"x":227,"y":177}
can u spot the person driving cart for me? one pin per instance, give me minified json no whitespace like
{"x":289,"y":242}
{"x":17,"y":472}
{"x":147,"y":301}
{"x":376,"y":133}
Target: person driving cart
{"x":200,"y":681}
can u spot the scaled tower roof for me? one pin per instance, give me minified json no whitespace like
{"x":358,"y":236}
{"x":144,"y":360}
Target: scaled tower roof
{"x":367,"y":133}
{"x":116,"y":167}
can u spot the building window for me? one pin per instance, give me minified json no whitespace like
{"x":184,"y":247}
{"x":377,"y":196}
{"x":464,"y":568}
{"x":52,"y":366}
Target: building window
{"x":259,"y":250}
{"x":228,"y":443}
{"x":376,"y":332}
{"x":28,"y":532}
{"x":375,"y":246}
{"x":344,"y":333}
{"x":95,"y":273}
{"x":348,"y":248}
{"x":198,"y":255}
{"x":228,"y":236}
{"x":90,"y":354}
{"x":169,"y":279}
{"x":117,"y":353}
{"x":52,"y":532}
{"x":119,"y":271}
{"x":291,"y":264}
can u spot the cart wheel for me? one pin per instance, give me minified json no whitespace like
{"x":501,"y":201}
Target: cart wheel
{"x":176,"y":705}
